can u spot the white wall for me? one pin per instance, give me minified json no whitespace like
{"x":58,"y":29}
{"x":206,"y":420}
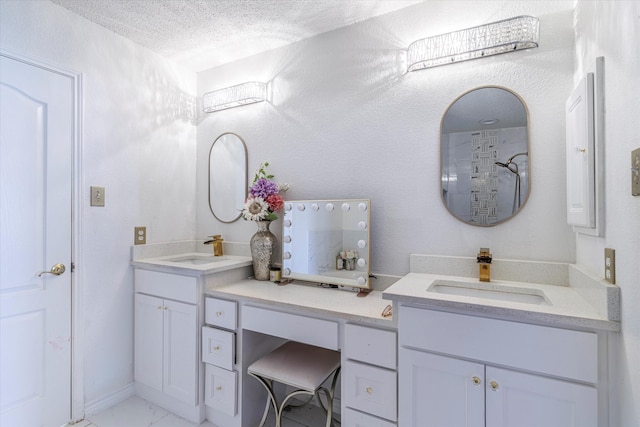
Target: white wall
{"x":612,"y":30}
{"x":346,"y":122}
{"x":138,"y":141}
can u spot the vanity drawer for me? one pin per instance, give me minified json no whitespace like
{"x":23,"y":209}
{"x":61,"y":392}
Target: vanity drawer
{"x":370,"y":389}
{"x":308,"y":330}
{"x":218,"y":347}
{"x":220,"y":387}
{"x":221,"y":313}
{"x":554,"y":351}
{"x":373,"y":346}
{"x":353,"y":418}
{"x":165,"y":285}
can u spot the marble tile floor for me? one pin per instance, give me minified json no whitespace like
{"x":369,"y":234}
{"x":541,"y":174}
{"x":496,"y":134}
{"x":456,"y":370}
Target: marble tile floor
{"x":137,"y":412}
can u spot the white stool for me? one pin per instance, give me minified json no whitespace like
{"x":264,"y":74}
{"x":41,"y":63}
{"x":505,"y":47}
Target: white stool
{"x":302,"y":366}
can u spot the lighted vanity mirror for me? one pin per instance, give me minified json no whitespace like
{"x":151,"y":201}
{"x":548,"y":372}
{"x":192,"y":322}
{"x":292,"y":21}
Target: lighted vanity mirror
{"x":227,"y":177}
{"x":327,"y":241}
{"x":484,"y":147}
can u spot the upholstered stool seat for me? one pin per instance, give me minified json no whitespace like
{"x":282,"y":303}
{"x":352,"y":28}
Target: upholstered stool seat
{"x":301,"y":366}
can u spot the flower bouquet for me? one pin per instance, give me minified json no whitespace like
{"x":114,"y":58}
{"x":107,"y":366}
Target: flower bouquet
{"x":264,"y":197}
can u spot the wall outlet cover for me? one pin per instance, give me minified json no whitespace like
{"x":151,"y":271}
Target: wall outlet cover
{"x":140,"y":236}
{"x":610,"y":265}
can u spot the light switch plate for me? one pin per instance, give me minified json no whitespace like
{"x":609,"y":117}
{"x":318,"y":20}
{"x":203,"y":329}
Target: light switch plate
{"x":610,"y":265}
{"x":140,"y":236}
{"x":635,"y":172}
{"x":97,"y":196}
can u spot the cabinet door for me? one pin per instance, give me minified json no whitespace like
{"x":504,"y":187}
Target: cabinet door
{"x":149,"y":312}
{"x":180,"y":375}
{"x":439,"y":391}
{"x":516,"y":399}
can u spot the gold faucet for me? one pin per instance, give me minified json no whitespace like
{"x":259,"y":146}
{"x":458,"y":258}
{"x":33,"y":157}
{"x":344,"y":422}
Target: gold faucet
{"x":484,"y":261}
{"x":217,"y":244}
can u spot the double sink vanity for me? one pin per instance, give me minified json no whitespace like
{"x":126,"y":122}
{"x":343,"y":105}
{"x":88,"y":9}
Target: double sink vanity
{"x":528,"y":348}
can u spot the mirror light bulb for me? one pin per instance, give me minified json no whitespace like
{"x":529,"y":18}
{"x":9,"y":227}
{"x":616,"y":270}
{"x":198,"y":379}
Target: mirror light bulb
{"x":362,"y":207}
{"x":362,"y":225}
{"x":286,"y":223}
{"x":287,"y":239}
{"x":361,"y":280}
{"x":361,"y":262}
{"x":286,"y":255}
{"x":362,"y":244}
{"x":287,"y":272}
{"x":287,"y":206}
{"x":315,"y":206}
{"x":345,"y":207}
{"x":301,"y":207}
{"x":329,"y":207}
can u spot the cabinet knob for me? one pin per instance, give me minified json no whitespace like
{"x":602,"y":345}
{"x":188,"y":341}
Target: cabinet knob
{"x":216,"y":348}
{"x":493,"y":385}
{"x":476,"y":380}
{"x":219,"y":388}
{"x":369,"y":390}
{"x":218,"y":313}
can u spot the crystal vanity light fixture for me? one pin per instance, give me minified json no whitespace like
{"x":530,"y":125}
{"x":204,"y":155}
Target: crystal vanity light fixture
{"x":495,"y":38}
{"x":234,"y":96}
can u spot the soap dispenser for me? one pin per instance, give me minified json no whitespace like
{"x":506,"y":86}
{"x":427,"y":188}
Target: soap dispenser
{"x":484,"y":262}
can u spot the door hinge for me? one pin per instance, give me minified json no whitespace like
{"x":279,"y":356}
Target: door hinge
{"x":73,"y":267}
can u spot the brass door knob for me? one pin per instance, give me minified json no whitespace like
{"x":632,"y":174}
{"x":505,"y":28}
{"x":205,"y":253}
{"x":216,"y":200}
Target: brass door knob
{"x":476,"y":380}
{"x":56,"y":270}
{"x":494,"y":385}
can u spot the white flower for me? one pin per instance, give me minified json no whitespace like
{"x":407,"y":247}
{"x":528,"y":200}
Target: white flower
{"x":255,"y":209}
{"x":283,"y":187}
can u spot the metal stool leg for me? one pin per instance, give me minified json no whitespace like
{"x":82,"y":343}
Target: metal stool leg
{"x":271,"y":400}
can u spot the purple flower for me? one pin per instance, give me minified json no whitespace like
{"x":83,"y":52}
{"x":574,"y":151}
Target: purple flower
{"x":263,"y":188}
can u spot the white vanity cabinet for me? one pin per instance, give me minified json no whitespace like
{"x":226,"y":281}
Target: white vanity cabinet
{"x":369,"y":377}
{"x":166,"y":346}
{"x":457,"y":369}
{"x":218,"y":353}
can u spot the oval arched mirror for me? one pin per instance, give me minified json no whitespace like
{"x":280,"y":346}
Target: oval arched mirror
{"x":227,"y":177}
{"x":484,"y":148}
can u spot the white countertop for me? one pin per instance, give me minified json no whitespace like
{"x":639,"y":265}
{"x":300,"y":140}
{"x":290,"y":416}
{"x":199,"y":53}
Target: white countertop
{"x":567,"y":306}
{"x":309,"y":298}
{"x":217,"y":264}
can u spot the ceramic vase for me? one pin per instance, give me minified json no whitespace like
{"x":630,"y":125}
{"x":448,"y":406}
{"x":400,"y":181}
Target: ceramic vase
{"x":263,"y":248}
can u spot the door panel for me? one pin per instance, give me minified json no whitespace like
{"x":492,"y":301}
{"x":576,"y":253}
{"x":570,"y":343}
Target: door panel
{"x":438,"y":391}
{"x":524,"y":400}
{"x":36,"y":158}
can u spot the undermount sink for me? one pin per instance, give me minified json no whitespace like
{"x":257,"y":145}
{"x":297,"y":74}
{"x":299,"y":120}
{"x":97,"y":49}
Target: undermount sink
{"x":197,"y":259}
{"x":489,"y":290}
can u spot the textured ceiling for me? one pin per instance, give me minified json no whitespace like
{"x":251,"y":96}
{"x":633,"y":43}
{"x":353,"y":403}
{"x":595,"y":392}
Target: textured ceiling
{"x":202,"y":34}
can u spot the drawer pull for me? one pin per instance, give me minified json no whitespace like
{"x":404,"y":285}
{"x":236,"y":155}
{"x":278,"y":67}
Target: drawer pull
{"x":218,"y":313}
{"x":369,"y":390}
{"x":219,"y":388}
{"x":477,"y":380}
{"x":216,"y":348}
{"x":494,"y":385}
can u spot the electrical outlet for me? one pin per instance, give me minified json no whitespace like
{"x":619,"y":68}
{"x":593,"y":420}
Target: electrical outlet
{"x":635,"y":172}
{"x":97,"y":196}
{"x":140,"y":237}
{"x":610,"y":265}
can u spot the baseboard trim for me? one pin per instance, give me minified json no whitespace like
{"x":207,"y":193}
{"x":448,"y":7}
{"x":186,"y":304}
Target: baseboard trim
{"x":98,"y":405}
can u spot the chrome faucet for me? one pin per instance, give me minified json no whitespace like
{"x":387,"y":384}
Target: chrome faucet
{"x":484,"y":261}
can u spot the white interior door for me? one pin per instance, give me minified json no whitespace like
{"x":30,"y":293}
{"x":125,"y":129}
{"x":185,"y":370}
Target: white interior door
{"x":36,"y":158}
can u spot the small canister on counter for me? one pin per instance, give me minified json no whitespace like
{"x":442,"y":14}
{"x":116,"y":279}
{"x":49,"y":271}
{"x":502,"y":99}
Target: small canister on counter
{"x":275,"y":273}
